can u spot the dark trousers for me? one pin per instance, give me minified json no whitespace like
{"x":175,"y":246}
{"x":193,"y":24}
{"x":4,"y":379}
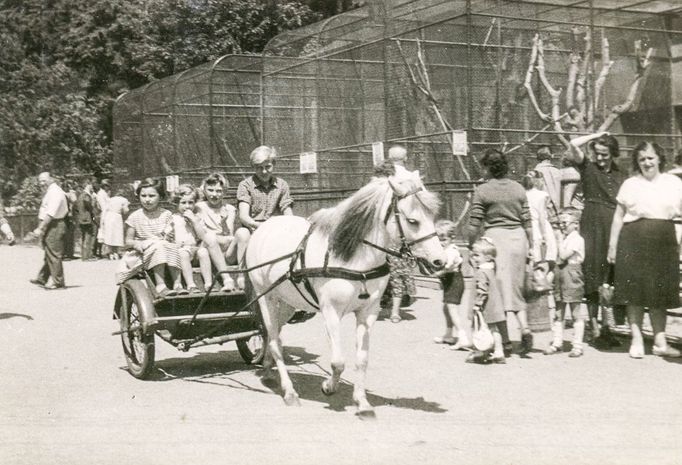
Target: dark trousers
{"x":69,"y":238}
{"x":88,"y":233}
{"x":53,"y":245}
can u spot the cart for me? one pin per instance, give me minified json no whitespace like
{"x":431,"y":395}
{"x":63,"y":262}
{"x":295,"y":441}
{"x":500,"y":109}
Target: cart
{"x":185,"y":321}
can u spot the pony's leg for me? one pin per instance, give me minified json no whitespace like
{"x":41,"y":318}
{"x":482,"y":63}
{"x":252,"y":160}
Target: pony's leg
{"x":364,"y":321}
{"x":332,"y":326}
{"x":273,"y":326}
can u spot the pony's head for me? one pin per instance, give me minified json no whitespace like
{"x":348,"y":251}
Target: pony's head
{"x":401,"y":206}
{"x":411,"y":220}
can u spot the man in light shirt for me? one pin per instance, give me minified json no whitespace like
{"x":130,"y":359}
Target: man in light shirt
{"x":51,"y":231}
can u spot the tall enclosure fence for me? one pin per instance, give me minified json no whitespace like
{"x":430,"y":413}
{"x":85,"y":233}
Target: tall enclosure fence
{"x":512,"y":75}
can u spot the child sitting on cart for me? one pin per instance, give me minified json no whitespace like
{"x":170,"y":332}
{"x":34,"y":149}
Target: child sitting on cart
{"x":218,"y":218}
{"x":186,"y":230}
{"x":145,"y":239}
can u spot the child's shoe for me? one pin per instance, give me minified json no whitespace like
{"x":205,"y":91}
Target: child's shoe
{"x":552,"y":349}
{"x":499,"y":359}
{"x":479,"y":357}
{"x":526,"y":342}
{"x":449,"y":340}
{"x":575,"y":353}
{"x":182,"y":291}
{"x":508,"y":349}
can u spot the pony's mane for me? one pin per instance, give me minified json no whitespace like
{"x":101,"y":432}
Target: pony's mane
{"x":351,"y":221}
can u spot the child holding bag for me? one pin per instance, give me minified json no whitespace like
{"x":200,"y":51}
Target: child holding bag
{"x":488,"y":300}
{"x":453,"y":287}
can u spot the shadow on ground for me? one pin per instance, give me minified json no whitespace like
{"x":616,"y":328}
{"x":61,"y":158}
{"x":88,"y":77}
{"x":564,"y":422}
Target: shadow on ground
{"x":7,"y":316}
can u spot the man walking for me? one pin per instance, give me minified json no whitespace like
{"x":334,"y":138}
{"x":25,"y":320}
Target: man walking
{"x":51,"y":231}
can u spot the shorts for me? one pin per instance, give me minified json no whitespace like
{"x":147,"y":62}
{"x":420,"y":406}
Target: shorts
{"x":569,"y":284}
{"x":453,"y":287}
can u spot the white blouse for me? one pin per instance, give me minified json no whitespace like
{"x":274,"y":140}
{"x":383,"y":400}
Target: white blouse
{"x":658,"y":199}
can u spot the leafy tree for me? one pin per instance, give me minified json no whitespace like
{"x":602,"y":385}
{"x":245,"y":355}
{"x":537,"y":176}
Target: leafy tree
{"x":63,"y":62}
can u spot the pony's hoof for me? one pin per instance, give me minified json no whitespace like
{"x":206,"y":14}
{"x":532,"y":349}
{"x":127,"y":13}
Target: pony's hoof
{"x":292,"y":400}
{"x":366,"y":414}
{"x":326,"y":390}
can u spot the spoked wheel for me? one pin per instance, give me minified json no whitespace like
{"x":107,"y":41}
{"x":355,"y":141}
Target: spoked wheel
{"x":252,"y":349}
{"x":138,"y":347}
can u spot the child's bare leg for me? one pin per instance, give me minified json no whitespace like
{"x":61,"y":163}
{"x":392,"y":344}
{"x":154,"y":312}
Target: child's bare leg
{"x":395,"y":309}
{"x":448,"y":335}
{"x":205,"y":266}
{"x":175,"y":277}
{"x":186,"y":268}
{"x":463,"y":341}
{"x":159,"y":273}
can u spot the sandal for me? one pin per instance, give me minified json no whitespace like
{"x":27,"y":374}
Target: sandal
{"x":551,"y":350}
{"x":194,"y":290}
{"x":449,"y":340}
{"x":396,"y":319}
{"x":181,"y":291}
{"x":165,"y":292}
{"x":500,"y":360}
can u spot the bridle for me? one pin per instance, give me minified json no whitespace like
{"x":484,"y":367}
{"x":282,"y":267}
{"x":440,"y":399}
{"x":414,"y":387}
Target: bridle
{"x":405,"y":250}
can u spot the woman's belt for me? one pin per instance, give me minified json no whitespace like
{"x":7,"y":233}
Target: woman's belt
{"x":601,"y":202}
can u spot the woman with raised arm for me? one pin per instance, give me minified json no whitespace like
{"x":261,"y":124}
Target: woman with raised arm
{"x":601,"y":178}
{"x":644,"y":248}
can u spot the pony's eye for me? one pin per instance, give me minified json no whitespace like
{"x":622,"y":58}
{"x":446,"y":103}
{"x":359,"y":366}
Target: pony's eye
{"x":412,"y":221}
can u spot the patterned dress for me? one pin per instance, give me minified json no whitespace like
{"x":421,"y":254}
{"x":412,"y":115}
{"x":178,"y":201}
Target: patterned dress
{"x":158,"y":251}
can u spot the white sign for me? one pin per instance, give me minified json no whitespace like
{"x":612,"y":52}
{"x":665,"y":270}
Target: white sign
{"x":172,"y":183}
{"x":377,"y":152}
{"x":459,"y":143}
{"x":308,"y":162}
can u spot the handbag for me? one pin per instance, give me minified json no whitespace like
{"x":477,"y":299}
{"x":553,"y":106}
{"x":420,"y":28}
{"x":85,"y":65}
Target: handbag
{"x":537,"y":280}
{"x":481,"y":336}
{"x":607,"y":288}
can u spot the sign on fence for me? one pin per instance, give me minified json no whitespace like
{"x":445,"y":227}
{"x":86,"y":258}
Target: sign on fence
{"x":459,"y":143}
{"x":308,"y":162}
{"x":377,"y":152}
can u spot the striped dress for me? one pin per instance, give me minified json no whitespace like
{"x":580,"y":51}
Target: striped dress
{"x":159,"y":252}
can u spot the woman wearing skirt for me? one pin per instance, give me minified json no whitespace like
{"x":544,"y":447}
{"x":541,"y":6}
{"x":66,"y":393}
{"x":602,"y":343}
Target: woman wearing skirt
{"x":644,"y":248}
{"x":500,"y":208}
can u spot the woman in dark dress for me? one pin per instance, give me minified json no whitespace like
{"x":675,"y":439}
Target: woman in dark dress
{"x":600,"y":178}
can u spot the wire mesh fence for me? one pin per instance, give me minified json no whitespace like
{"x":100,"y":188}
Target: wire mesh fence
{"x":514,"y":75}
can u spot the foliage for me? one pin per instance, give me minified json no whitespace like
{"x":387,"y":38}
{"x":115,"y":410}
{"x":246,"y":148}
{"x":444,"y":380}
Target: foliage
{"x":63,"y":62}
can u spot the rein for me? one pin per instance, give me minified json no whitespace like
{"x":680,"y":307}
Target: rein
{"x":301,"y":275}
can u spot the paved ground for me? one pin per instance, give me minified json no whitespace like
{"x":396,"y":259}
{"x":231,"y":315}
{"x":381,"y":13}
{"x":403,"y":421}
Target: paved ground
{"x":66,"y":397}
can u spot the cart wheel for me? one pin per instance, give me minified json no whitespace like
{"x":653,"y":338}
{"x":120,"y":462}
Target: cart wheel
{"x":252,"y":349}
{"x":138,"y":347}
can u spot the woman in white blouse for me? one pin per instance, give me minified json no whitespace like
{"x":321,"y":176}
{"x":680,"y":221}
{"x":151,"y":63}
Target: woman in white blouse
{"x":644,"y":248}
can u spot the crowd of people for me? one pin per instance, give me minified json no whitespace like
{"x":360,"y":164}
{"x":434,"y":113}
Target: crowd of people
{"x":621,"y":235}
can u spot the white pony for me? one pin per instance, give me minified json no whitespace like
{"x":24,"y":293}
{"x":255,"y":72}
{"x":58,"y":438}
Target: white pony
{"x":336,"y":247}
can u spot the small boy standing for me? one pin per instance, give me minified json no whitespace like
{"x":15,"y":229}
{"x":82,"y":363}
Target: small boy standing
{"x":453,"y":288}
{"x":569,"y":285}
{"x":488,"y":299}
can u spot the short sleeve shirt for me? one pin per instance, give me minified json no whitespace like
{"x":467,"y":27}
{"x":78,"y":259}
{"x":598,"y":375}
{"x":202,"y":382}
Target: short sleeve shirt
{"x":149,"y":228}
{"x":54,"y":203}
{"x":600,"y":186}
{"x":659,"y":199}
{"x":454,"y":258}
{"x":265,"y":200}
{"x":216,"y":221}
{"x":573,"y":247}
